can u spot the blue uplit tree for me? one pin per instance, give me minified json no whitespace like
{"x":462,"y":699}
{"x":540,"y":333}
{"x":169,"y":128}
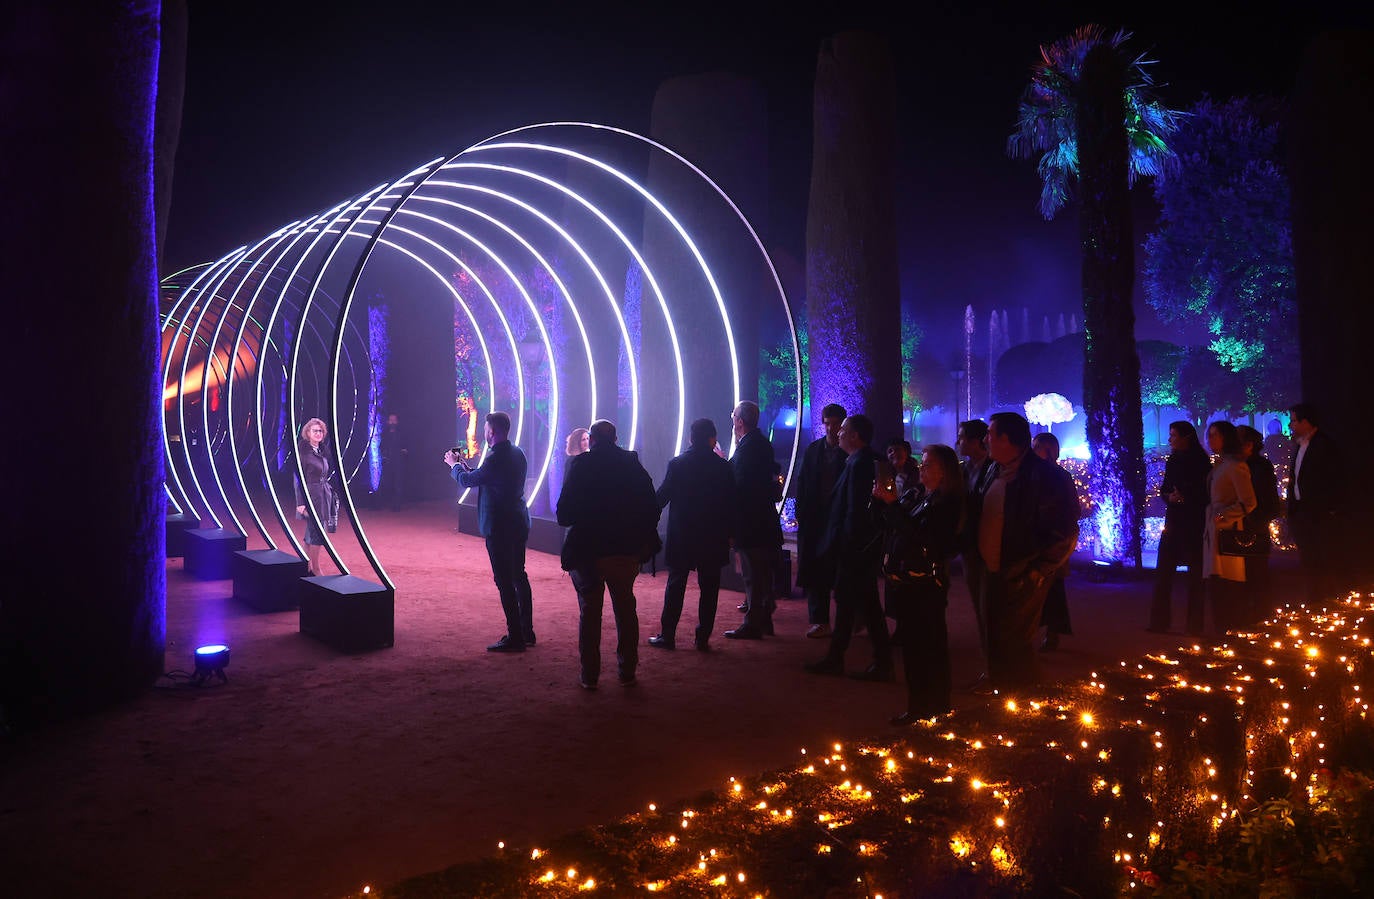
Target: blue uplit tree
{"x":1223,"y":252}
{"x":1090,"y":114}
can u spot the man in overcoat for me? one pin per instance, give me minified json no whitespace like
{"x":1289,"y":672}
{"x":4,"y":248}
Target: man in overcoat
{"x":699,"y":491}
{"x":821,"y":466}
{"x":758,"y":532}
{"x":1316,"y":484}
{"x":609,"y":508}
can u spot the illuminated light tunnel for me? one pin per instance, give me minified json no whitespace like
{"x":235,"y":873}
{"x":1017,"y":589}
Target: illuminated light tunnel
{"x":591,"y":271}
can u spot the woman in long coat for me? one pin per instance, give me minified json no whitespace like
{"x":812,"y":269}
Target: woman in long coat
{"x":1232,"y":497}
{"x":317,"y":489}
{"x":1184,"y":491}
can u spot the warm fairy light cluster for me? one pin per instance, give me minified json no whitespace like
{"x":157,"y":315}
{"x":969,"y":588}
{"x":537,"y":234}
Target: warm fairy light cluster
{"x":1095,"y":787}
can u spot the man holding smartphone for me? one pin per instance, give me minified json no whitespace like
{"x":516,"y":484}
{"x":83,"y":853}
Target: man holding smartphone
{"x":504,"y":520}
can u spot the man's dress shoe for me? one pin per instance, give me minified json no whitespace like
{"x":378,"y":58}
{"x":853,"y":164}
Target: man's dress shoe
{"x":505,"y":645}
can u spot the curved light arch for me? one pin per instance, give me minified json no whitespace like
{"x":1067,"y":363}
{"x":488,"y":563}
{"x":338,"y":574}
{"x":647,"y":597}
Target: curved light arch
{"x":644,"y":267}
{"x":186,"y":297}
{"x":361,"y":206}
{"x":496,"y":307}
{"x":327,"y":245}
{"x":211,"y":355}
{"x":218,"y":280}
{"x":744,"y":220}
{"x":682,"y":232}
{"x":294,"y":429}
{"x":282,"y":236}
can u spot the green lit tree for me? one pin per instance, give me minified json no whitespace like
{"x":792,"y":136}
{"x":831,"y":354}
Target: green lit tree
{"x":1090,"y":114}
{"x":1223,"y":251}
{"x":1160,"y":361}
{"x":777,"y":375}
{"x":1206,"y":387}
{"x":912,"y":334}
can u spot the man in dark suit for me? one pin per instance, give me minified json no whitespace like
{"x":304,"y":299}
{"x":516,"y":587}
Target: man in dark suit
{"x":699,"y":491}
{"x":609,"y":508}
{"x":1028,"y":530}
{"x":821,"y":466}
{"x":758,"y":532}
{"x":853,"y":539}
{"x":1316,"y":479}
{"x":504,"y":520}
{"x":978,"y":470}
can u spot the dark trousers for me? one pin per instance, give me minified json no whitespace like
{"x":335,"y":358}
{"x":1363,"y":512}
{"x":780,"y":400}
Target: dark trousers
{"x":1055,"y":616}
{"x":1259,"y":601}
{"x":392,"y":487}
{"x":758,"y":564}
{"x":617,"y":575}
{"x":507,"y":555}
{"x":818,"y":590}
{"x":856,"y":596}
{"x":1012,"y":611}
{"x":1320,"y":557}
{"x":973,"y":573}
{"x":1172,"y":553}
{"x":1228,"y":603}
{"x":708,"y":582}
{"x":920,"y":617}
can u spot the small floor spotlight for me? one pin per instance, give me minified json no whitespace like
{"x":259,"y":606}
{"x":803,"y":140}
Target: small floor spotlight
{"x":210,"y":660}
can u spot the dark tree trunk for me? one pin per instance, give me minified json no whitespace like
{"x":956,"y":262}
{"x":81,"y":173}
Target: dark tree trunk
{"x":82,"y":611}
{"x":1111,"y":364}
{"x":1332,"y":234}
{"x":718,"y":121}
{"x":853,"y":291}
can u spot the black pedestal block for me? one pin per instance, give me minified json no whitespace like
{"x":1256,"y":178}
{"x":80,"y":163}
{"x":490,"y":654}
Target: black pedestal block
{"x":177,"y":525}
{"x":269,"y":580}
{"x":208,"y":551}
{"x":347,"y":612}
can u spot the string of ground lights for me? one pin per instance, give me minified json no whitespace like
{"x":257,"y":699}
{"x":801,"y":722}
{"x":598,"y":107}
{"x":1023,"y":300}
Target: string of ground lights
{"x":1097,"y":788}
{"x":577,"y":261}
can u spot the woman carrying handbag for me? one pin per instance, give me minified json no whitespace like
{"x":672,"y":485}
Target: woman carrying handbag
{"x":1232,"y":497}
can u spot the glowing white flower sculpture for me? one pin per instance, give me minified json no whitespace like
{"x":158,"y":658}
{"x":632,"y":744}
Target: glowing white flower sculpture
{"x":1049,"y":409}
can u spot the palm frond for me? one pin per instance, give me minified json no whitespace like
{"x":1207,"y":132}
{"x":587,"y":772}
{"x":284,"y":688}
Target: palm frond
{"x":1046,"y":124}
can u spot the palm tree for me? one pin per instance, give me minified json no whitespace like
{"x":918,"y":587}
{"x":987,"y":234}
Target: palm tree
{"x":1091,"y":114}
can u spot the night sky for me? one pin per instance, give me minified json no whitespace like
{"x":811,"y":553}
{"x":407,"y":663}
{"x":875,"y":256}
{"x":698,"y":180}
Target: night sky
{"x":290,"y":109}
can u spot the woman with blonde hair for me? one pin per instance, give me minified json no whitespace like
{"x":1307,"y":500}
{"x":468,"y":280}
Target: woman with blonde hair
{"x":316,"y":491}
{"x":1232,"y":498}
{"x":578,"y":442}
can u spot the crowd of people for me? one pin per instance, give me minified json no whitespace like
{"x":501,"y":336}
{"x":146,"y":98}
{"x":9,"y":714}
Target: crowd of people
{"x":876,"y":536}
{"x":1219,"y":503}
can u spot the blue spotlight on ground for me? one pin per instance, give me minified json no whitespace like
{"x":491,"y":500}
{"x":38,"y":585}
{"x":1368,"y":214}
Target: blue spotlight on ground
{"x":210,"y":661}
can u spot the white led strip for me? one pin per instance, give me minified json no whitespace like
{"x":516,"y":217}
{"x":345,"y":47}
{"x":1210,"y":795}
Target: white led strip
{"x":409,"y":231}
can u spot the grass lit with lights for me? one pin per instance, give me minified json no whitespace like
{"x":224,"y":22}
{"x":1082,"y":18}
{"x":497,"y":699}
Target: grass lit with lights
{"x":1228,"y":768}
